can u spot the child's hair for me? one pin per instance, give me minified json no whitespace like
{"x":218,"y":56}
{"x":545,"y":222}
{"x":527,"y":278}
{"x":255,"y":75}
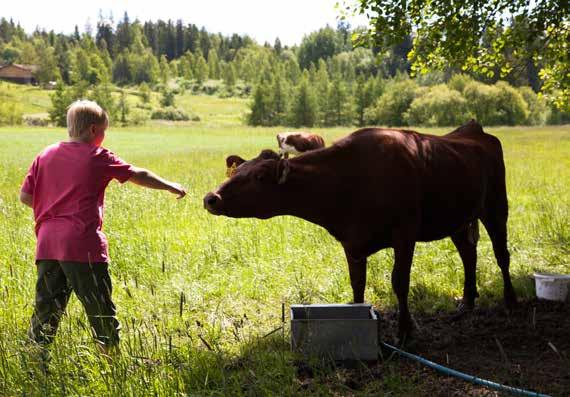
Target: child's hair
{"x":81,"y":114}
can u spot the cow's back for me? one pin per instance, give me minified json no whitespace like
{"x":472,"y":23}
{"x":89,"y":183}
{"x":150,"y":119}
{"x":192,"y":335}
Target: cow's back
{"x":446,"y":180}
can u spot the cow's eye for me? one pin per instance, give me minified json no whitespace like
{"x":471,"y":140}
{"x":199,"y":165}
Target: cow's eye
{"x":260,"y":178}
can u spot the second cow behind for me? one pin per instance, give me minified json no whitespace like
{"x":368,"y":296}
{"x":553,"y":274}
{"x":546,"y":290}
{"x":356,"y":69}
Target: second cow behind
{"x":298,"y":142}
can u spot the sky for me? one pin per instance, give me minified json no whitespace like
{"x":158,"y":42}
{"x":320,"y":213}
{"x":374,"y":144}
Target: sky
{"x":263,"y":20}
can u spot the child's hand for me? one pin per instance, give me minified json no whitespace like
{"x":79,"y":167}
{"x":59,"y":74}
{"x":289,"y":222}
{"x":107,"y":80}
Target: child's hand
{"x":178,"y":189}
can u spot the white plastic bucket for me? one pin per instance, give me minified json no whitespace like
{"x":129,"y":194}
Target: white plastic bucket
{"x":552,"y":287}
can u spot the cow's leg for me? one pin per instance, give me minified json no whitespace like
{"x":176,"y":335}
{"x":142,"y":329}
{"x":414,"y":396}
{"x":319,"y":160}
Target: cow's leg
{"x":465,"y":241}
{"x":403,"y":252}
{"x":496,"y":224}
{"x":357,"y":271}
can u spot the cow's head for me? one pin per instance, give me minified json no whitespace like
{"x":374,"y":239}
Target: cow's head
{"x":254,"y":188}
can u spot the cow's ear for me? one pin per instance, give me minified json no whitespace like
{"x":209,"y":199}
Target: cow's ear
{"x":268,"y":154}
{"x":282,"y":171}
{"x":234,"y":161}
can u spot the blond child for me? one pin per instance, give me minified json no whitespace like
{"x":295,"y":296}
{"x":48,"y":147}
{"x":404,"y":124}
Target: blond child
{"x":65,"y":186}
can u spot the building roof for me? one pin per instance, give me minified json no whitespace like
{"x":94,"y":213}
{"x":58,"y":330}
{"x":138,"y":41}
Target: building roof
{"x":30,"y":68}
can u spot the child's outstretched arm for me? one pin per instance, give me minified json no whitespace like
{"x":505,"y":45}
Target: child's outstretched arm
{"x":146,"y":178}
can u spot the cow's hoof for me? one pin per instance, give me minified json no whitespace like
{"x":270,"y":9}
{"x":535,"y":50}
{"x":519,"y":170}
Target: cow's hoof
{"x":511,"y":302}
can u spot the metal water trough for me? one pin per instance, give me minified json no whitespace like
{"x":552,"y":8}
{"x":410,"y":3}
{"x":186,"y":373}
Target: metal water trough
{"x":336,"y":331}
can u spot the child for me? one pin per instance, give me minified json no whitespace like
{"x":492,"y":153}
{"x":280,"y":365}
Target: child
{"x":65,"y":186}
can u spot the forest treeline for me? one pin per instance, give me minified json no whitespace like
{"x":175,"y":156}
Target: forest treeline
{"x":323,"y":81}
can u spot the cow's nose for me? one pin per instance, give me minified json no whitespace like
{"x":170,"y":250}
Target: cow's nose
{"x":210,"y":200}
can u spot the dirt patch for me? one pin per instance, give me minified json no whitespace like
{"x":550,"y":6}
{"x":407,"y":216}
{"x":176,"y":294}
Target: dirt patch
{"x":528,"y":348}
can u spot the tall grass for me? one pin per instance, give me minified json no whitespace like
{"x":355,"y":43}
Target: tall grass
{"x":196,"y":294}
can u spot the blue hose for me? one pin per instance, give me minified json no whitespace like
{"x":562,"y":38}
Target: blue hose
{"x":461,"y":375}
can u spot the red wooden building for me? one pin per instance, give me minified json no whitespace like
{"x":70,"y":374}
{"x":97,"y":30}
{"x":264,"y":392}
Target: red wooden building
{"x":24,"y":74}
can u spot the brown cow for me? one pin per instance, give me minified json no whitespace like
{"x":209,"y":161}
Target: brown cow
{"x":380,"y":188}
{"x":298,"y":142}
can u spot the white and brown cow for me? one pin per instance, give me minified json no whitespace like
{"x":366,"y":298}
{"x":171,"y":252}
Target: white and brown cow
{"x":298,"y":142}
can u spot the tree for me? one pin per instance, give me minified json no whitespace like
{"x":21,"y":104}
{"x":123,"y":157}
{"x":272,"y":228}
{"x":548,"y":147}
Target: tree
{"x":319,"y":45}
{"x":102,"y":94}
{"x":450,"y":34}
{"x":260,"y":106}
{"x":338,"y":110}
{"x":304,"y":110}
{"x":59,"y":103}
{"x":164,"y":69}
{"x":390,"y":107}
{"x":230,"y":75}
{"x":123,"y":107}
{"x":363,"y":98}
{"x":213,"y":65}
{"x":124,"y":35}
{"x":144,"y":91}
{"x":277,"y":47}
{"x":279,"y":102}
{"x":167,"y":98}
{"x":122,"y":73}
{"x":200,"y":70}
{"x":48,"y":70}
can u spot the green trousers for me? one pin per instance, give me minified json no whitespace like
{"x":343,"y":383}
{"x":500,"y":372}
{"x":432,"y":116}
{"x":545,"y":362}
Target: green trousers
{"x":92,"y":285}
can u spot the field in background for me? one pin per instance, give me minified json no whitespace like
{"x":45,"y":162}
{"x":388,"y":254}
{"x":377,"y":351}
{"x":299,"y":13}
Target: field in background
{"x":196,"y":294}
{"x":212,"y":110}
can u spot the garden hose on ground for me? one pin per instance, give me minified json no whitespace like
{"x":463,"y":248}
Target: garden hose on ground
{"x":461,"y":375}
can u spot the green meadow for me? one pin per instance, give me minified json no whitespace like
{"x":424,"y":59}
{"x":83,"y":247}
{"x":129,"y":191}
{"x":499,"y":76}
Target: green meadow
{"x":200,"y":296}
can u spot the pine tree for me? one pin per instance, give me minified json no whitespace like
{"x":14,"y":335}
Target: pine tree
{"x":259,"y":106}
{"x":123,"y":107}
{"x":48,"y":70}
{"x":362,"y":100}
{"x":59,"y":103}
{"x":213,"y":65}
{"x":167,"y":98}
{"x":279,"y":102}
{"x":338,"y":109}
{"x":164,"y":69}
{"x":200,"y":69}
{"x":230,"y":76}
{"x":102,"y":94}
{"x":144,"y":91}
{"x":304,"y":110}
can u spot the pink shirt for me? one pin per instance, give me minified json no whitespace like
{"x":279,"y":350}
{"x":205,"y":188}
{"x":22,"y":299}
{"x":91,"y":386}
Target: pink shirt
{"x":67,"y":182}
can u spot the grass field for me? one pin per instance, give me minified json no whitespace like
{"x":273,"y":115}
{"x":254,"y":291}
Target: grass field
{"x":196,"y":294}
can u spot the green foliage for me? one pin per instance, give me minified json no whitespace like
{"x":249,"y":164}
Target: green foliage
{"x":167,"y":98}
{"x":9,"y":54}
{"x":103,"y":95}
{"x":538,"y":110}
{"x":322,"y":44}
{"x":10,"y":113}
{"x":304,"y":106}
{"x":138,"y":117}
{"x":499,"y":104}
{"x":60,"y":101}
{"x":200,"y":70}
{"x":279,"y":102}
{"x":389,"y":109}
{"x":438,"y":106}
{"x":123,"y":108}
{"x":338,"y":109}
{"x":230,"y":75}
{"x":490,"y":40}
{"x":144,"y":91}
{"x":170,"y":113}
{"x":260,"y":106}
{"x":48,"y":68}
{"x":458,"y":82}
